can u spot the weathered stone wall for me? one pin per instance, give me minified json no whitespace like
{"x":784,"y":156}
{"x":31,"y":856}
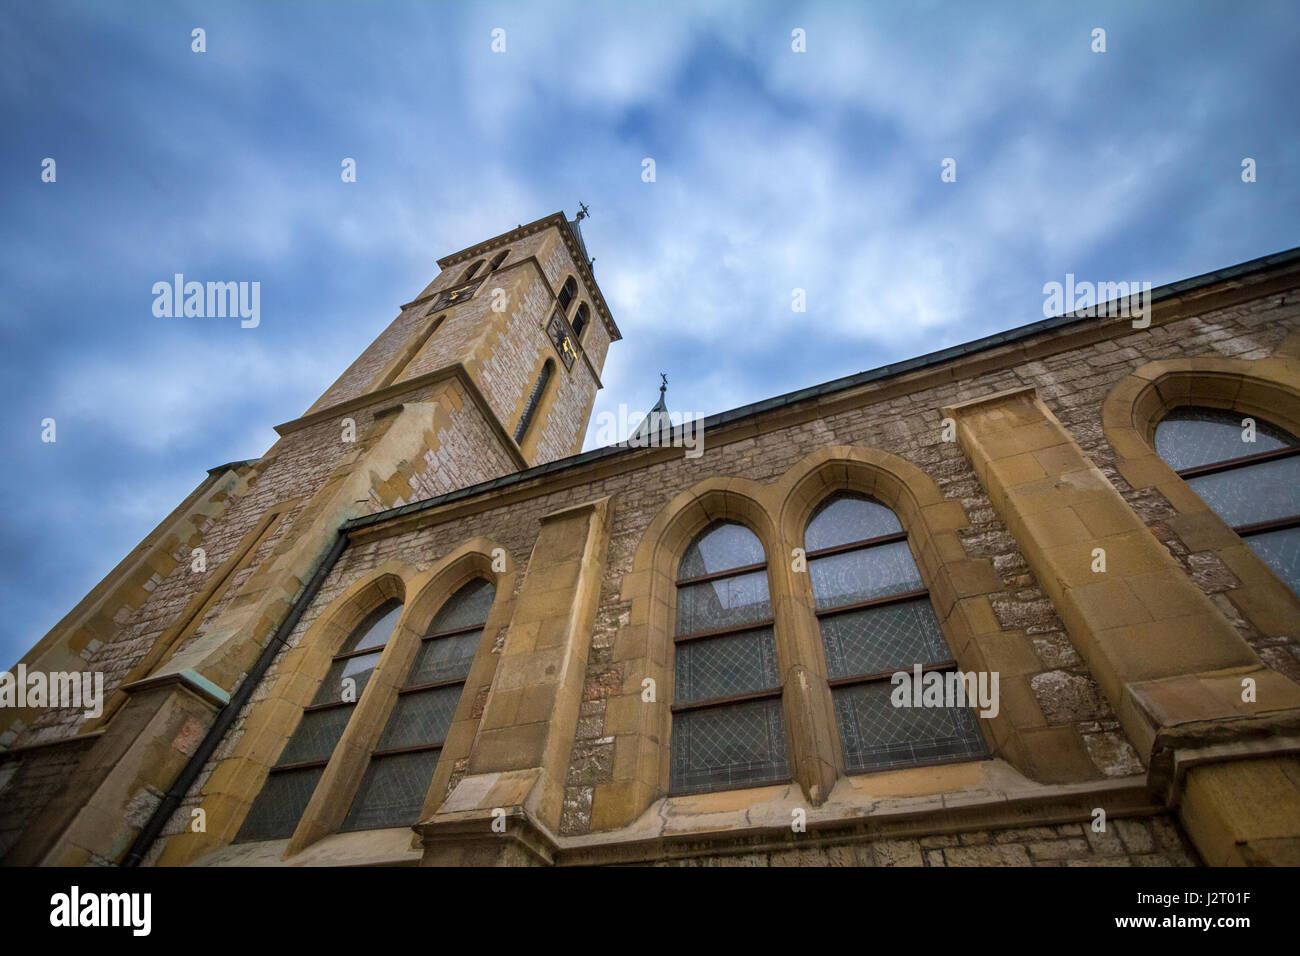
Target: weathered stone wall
{"x":1150,"y":841}
{"x":1073,"y":384}
{"x":27,"y":784}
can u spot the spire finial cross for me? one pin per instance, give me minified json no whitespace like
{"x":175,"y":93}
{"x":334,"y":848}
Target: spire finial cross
{"x":664,"y":387}
{"x":582,"y":212}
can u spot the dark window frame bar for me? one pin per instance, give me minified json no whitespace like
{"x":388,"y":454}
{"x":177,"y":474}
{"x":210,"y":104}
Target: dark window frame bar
{"x":301,"y":765}
{"x":717,"y":575}
{"x":1258,"y":527}
{"x":742,"y":698}
{"x":409,"y":749}
{"x":851,"y":681}
{"x":890,"y":538}
{"x":724,"y":631}
{"x":432,"y":685}
{"x":329,"y":705}
{"x":1263,"y":527}
{"x":1214,"y":467}
{"x":896,"y":598}
{"x":346,"y":655}
{"x":453,"y":632}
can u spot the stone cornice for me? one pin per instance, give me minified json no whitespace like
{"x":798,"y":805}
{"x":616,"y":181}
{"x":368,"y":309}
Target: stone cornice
{"x":559,"y":221}
{"x":386,"y":396}
{"x":1174,"y":302}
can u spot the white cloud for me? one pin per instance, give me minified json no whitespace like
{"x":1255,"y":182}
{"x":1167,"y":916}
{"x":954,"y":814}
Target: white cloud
{"x":162,"y":397}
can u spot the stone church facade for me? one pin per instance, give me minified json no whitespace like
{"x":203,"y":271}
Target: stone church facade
{"x":428,"y":629}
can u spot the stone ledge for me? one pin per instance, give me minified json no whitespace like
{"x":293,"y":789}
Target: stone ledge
{"x":189,"y":679}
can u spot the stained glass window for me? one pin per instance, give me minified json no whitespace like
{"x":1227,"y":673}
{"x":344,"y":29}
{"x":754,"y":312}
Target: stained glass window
{"x":397,"y":778}
{"x":1248,"y":471}
{"x":876,"y":619}
{"x":728,"y":728}
{"x":291,"y":782}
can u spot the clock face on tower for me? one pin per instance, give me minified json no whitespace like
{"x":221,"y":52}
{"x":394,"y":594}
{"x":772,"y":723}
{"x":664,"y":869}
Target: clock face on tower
{"x":562,"y":339}
{"x":455,"y":295}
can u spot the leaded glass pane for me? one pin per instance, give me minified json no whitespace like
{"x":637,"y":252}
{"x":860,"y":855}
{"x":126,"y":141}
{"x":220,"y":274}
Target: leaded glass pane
{"x":843,"y":519}
{"x":723,"y":602}
{"x":878,"y":735}
{"x":735,"y":745}
{"x":886,"y":638}
{"x":721,"y":666}
{"x":274,"y":814}
{"x":1280,"y":550}
{"x":317,"y":733}
{"x":392,"y":791}
{"x":422,"y":717}
{"x":862,"y":575}
{"x":444,"y":658}
{"x":357,"y":668}
{"x":1191,"y":437}
{"x":467,"y":607}
{"x":1261,"y":492}
{"x":375,"y":630}
{"x":720,"y":547}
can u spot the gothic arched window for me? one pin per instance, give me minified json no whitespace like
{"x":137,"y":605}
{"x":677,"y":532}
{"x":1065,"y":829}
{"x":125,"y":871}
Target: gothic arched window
{"x":472,"y":271}
{"x":580,"y":321}
{"x":292,"y":780}
{"x":567,"y":292}
{"x":876,"y":619}
{"x":534,"y":399}
{"x":728,"y":730}
{"x":499,"y":258}
{"x":1248,"y":471}
{"x":402,"y":763}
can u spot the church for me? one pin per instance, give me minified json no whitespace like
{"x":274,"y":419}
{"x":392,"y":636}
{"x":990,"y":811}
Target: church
{"x":426,"y":628}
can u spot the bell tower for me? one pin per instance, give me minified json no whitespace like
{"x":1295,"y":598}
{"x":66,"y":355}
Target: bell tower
{"x":522,"y":318}
{"x":491,"y":369}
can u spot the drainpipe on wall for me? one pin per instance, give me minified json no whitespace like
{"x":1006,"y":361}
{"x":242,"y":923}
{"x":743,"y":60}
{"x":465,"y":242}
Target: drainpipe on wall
{"x":226,"y":716}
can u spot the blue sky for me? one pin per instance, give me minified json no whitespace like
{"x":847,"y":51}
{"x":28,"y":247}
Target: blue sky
{"x":775,"y":170}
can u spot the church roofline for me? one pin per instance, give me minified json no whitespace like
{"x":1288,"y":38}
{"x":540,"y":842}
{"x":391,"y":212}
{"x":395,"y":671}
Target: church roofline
{"x":577,"y":252}
{"x":1172,"y":291}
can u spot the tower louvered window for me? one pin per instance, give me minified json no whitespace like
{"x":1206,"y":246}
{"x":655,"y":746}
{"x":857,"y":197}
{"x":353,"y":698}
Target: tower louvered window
{"x":567,"y":292}
{"x":580,"y":321}
{"x":533,"y":400}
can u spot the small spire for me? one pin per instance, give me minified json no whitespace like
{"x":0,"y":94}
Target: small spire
{"x":656,"y":428}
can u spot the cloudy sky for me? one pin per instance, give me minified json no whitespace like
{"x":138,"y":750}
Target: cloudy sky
{"x":775,"y":170}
